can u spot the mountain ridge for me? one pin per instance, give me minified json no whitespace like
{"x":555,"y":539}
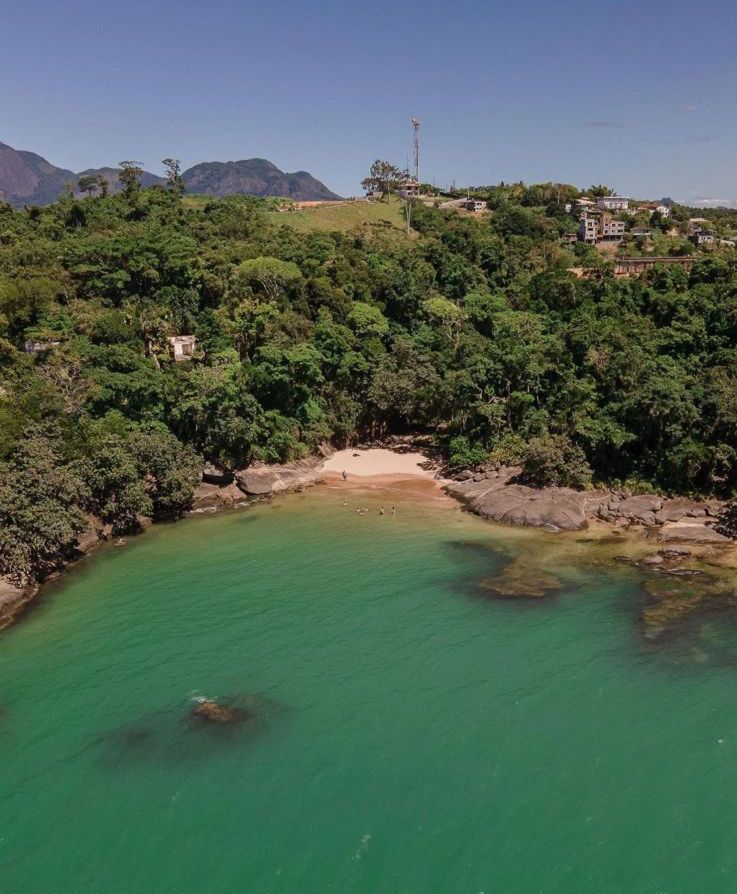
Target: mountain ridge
{"x":27,"y":178}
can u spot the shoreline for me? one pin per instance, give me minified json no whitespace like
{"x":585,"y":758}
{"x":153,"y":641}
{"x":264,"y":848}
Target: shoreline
{"x":493,"y":496}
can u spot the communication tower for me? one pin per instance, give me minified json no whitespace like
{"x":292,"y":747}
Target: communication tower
{"x":416,"y":132}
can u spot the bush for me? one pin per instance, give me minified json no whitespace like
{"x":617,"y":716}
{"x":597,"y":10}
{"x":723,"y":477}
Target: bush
{"x":463,"y":453}
{"x":171,"y":471}
{"x":555,"y":461}
{"x":40,"y":507}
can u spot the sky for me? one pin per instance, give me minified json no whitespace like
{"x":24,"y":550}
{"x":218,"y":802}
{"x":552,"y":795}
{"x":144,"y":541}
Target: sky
{"x":636,"y":95}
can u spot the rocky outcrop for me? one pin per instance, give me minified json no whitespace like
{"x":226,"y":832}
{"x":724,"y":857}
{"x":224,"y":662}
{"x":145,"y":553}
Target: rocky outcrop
{"x":263,"y":480}
{"x":496,"y":495}
{"x":13,"y":600}
{"x":215,"y":474}
{"x":259,"y":480}
{"x":691,"y":531}
{"x":212,"y":497}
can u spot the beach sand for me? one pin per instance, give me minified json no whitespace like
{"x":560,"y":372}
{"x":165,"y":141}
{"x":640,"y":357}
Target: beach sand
{"x":378,"y":469}
{"x":378,"y":462}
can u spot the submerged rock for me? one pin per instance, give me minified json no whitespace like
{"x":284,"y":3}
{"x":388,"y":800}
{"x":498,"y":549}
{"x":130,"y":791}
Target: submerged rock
{"x":520,"y":580}
{"x":213,"y":712}
{"x":653,"y":560}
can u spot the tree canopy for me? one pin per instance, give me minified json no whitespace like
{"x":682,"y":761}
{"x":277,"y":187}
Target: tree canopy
{"x":473,"y":329}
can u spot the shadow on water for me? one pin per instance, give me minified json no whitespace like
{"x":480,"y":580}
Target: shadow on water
{"x":189,"y":732}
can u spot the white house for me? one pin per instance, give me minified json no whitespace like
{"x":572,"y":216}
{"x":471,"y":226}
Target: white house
{"x":613,"y":203}
{"x":182,"y":347}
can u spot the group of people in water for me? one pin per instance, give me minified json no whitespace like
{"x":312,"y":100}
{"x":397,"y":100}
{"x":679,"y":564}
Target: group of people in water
{"x":364,"y":510}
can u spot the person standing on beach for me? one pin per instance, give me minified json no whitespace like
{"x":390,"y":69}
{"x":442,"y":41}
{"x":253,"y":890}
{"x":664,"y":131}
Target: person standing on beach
{"x":345,"y":475}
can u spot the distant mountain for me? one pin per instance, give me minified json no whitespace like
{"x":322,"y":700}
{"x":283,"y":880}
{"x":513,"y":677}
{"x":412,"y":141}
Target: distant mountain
{"x":254,"y":177}
{"x":28,"y":179}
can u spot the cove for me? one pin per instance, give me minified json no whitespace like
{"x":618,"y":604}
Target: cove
{"x":408,"y":725}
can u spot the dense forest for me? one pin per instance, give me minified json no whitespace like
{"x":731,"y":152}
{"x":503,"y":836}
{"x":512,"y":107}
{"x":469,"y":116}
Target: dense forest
{"x":472,"y":329}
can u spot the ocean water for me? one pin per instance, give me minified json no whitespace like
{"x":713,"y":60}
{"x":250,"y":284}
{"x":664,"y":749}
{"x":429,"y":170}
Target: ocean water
{"x":407,"y":725}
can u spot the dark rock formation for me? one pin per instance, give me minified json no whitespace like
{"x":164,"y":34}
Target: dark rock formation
{"x":215,"y":474}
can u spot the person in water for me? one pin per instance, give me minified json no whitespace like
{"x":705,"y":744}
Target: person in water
{"x":381,"y":511}
{"x":394,"y":510}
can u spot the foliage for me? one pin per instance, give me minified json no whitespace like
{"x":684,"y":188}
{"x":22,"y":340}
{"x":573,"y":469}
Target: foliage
{"x":383,"y":177}
{"x":552,"y":460}
{"x":41,"y":513}
{"x":170,"y":471}
{"x":464,"y":454}
{"x":472,"y":329}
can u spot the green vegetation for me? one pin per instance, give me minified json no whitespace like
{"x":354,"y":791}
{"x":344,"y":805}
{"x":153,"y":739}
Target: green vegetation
{"x":343,"y":217}
{"x":473,"y":329}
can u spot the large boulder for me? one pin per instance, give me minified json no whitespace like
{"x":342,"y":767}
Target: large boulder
{"x":679,"y":507}
{"x":215,"y":474}
{"x":691,"y":531}
{"x":256,"y":483}
{"x":211,"y":496}
{"x":641,"y":508}
{"x":262,"y":480}
{"x":516,"y":504}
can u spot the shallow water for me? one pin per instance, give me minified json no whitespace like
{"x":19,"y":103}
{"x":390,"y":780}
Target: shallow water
{"x":406,"y":729}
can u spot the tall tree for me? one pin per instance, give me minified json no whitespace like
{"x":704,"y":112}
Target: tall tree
{"x":129,"y":176}
{"x":87,"y":183}
{"x":383,"y":177}
{"x":174,"y":180}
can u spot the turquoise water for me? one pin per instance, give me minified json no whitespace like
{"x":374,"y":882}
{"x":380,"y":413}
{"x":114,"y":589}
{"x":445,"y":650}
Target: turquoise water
{"x":407,"y":731}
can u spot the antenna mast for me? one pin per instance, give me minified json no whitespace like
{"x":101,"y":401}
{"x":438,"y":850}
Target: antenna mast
{"x":416,"y":130}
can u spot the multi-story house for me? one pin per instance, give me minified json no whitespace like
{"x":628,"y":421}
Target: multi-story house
{"x":613,"y":203}
{"x":598,"y":226}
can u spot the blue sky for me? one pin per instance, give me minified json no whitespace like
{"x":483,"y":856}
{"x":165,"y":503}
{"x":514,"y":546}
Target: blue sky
{"x":638,"y":95}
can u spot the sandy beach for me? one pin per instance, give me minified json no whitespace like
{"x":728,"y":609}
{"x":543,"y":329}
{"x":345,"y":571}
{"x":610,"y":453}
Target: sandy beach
{"x":380,"y":469}
{"x":379,"y":462}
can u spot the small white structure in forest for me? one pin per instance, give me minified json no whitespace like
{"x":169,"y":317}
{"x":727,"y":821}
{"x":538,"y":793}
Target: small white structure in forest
{"x":38,"y":347}
{"x":182,"y":347}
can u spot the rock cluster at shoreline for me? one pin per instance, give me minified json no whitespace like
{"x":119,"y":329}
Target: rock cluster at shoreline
{"x":496,"y":494}
{"x":13,"y":600}
{"x":222,"y":489}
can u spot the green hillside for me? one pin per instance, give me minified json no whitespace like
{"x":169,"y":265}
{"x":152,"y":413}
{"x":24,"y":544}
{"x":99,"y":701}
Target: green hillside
{"x":342,"y":218}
